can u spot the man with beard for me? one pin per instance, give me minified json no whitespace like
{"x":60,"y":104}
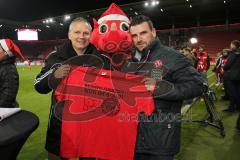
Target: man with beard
{"x":160,"y":139}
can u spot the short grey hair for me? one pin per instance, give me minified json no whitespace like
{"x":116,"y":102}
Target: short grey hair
{"x":79,"y":19}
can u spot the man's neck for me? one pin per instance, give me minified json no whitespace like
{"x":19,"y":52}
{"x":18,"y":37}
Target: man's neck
{"x":138,"y":55}
{"x":80,"y":51}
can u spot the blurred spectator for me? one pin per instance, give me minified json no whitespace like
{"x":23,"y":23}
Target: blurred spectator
{"x":218,"y":68}
{"x":232,"y":76}
{"x":194,"y":51}
{"x":9,"y":79}
{"x":238,"y":123}
{"x":190,"y":57}
{"x":203,"y":61}
{"x":28,"y":62}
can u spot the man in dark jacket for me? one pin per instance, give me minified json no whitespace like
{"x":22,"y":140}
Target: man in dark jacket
{"x":159,"y":136}
{"x":9,"y":79}
{"x":79,"y":36}
{"x":232,"y":76}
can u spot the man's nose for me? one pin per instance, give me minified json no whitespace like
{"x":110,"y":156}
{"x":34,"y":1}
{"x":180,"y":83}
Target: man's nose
{"x":113,"y":27}
{"x":139,"y":38}
{"x":81,"y":35}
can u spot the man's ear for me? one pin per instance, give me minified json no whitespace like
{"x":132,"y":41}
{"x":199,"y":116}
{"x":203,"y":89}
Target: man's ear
{"x":154,"y":32}
{"x":69,"y":35}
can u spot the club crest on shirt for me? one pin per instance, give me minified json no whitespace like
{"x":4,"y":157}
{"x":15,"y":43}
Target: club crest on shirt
{"x":158,"y":64}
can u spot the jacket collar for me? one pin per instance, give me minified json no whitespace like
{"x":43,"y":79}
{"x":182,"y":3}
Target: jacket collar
{"x":237,"y":51}
{"x":66,"y":50}
{"x":8,"y":60}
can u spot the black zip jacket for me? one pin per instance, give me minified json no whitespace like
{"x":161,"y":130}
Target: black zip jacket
{"x":232,"y":67}
{"x":9,"y":83}
{"x":159,"y":134}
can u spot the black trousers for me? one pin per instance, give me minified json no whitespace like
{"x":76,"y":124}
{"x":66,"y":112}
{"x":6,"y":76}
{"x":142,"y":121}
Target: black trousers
{"x":138,"y":156}
{"x":238,"y":123}
{"x":233,"y":88}
{"x":225,"y":88}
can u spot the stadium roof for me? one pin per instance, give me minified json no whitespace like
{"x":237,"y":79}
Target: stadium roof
{"x":182,"y":13}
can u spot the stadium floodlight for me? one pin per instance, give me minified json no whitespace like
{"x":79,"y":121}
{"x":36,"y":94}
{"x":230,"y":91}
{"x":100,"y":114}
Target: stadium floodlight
{"x":190,"y":6}
{"x":193,"y":40}
{"x":67,"y":17}
{"x":161,"y":10}
{"x":1,"y":25}
{"x":50,"y":20}
{"x":153,"y":3}
{"x":146,"y":4}
{"x":61,"y":24}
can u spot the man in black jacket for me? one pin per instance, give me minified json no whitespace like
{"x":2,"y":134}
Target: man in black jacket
{"x":79,"y":35}
{"x":9,"y":79}
{"x":232,"y":76}
{"x":159,"y":136}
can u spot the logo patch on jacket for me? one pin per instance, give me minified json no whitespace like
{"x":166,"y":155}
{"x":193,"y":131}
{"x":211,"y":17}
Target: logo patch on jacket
{"x":158,"y":64}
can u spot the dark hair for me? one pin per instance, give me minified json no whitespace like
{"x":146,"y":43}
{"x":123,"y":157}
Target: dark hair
{"x":201,"y":46}
{"x":225,"y":50}
{"x":140,"y":19}
{"x":187,"y":49}
{"x":236,"y":43}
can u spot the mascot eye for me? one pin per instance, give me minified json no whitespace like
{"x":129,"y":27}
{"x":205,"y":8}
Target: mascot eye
{"x":124,"y":26}
{"x":103,"y":28}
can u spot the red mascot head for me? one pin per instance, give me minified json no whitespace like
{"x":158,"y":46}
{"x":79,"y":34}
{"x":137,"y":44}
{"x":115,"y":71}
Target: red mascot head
{"x":111,"y":32}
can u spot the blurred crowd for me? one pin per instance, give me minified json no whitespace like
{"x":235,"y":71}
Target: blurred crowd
{"x":226,"y":69}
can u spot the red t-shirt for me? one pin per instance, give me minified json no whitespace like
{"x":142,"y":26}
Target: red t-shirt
{"x":202,"y":64}
{"x":100,"y":114}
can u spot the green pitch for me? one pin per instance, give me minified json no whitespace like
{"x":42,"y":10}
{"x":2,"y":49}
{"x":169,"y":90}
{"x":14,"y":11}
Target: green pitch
{"x":198,"y":142}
